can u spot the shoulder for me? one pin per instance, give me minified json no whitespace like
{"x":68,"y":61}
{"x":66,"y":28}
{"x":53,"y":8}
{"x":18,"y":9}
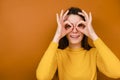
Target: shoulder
{"x":60,"y":51}
{"x":93,"y":50}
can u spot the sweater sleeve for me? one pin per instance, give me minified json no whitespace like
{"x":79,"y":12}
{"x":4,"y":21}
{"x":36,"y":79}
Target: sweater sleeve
{"x":48,"y":64}
{"x":107,"y":62}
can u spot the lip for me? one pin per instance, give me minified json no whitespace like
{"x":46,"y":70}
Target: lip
{"x":74,"y":36}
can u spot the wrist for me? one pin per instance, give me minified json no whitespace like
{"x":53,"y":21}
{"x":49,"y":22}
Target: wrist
{"x":56,"y":39}
{"x":94,"y":36}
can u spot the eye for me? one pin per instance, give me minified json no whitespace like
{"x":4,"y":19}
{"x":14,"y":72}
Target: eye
{"x":67,"y":26}
{"x":81,"y":25}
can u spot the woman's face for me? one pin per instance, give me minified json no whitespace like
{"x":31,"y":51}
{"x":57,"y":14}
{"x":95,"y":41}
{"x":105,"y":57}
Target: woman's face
{"x":75,"y":36}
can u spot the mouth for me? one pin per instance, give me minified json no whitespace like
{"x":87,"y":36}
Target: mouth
{"x":75,"y":36}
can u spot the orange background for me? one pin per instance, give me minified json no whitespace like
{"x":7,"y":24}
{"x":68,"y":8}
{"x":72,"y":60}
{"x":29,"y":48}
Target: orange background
{"x":28,"y":26}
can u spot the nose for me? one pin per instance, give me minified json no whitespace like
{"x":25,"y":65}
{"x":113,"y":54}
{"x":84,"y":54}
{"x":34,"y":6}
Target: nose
{"x":74,"y":30}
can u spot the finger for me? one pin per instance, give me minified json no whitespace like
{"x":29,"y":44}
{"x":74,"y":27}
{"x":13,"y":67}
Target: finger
{"x":86,"y":15}
{"x":80,"y":30}
{"x":83,"y":22}
{"x":80,"y":13}
{"x":61,"y":14}
{"x":58,"y":21}
{"x":65,"y":14}
{"x":67,"y":22}
{"x":69,"y":30}
{"x":81,"y":25}
{"x":67,"y":25}
{"x":90,"y":17}
{"x":64,"y":31}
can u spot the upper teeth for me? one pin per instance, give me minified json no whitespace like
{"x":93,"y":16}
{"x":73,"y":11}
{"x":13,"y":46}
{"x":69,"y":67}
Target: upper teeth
{"x":74,"y":36}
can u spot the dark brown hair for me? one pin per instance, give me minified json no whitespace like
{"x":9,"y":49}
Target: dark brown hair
{"x":63,"y":43}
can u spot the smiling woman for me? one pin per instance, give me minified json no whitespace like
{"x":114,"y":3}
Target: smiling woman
{"x":76,"y":59}
{"x":74,"y":20}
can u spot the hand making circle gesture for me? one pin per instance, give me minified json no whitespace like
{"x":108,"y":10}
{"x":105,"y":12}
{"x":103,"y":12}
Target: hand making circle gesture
{"x":87,"y":29}
{"x":63,"y":27}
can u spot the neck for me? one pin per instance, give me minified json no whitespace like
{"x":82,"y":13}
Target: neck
{"x":74,"y":46}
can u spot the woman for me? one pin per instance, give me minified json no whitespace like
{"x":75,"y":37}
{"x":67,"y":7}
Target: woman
{"x":76,"y":59}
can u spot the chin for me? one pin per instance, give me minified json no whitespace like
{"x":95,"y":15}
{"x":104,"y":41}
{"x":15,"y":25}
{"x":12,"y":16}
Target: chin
{"x":74,"y":42}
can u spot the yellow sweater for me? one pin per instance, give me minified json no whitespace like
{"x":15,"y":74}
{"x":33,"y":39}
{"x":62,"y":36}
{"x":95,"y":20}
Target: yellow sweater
{"x":78,"y":64}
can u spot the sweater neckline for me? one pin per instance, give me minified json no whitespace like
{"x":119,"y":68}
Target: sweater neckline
{"x":74,"y":50}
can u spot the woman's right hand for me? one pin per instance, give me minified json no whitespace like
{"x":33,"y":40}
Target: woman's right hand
{"x":64,"y":27}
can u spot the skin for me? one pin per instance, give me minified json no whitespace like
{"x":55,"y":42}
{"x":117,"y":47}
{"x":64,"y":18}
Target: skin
{"x":75,"y":36}
{"x":74,"y":33}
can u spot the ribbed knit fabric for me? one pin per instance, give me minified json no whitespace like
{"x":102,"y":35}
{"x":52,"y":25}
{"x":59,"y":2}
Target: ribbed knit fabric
{"x":78,"y":64}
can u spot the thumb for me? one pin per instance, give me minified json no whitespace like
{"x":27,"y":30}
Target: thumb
{"x":69,"y":30}
{"x":80,"y":29}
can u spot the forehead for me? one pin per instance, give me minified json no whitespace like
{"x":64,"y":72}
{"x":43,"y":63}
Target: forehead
{"x":74,"y":18}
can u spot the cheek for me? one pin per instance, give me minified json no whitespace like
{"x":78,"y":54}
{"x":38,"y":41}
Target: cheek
{"x":82,"y":35}
{"x":68,"y":37}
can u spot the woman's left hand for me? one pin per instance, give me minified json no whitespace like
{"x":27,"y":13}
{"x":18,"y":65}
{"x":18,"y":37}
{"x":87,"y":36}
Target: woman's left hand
{"x":88,"y":29}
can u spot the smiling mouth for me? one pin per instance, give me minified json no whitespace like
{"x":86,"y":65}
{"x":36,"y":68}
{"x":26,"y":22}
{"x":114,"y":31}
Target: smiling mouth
{"x":75,"y":36}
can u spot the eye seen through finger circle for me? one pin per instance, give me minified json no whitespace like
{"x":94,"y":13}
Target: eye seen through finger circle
{"x":67,"y":26}
{"x":81,"y":25}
